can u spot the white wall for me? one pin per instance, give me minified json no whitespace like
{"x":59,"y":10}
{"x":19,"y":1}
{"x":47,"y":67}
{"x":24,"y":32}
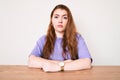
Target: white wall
{"x":22,"y":22}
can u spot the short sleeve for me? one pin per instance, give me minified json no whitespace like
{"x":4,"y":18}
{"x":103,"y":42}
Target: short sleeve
{"x":83,"y":51}
{"x":37,"y":50}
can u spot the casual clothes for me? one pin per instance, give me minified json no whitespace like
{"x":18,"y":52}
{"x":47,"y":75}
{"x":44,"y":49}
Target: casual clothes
{"x":57,"y":53}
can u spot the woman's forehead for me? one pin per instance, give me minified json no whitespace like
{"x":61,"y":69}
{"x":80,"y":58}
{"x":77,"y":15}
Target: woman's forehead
{"x":60,"y":12}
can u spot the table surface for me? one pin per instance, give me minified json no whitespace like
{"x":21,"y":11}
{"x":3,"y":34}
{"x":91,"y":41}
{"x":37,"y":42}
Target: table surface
{"x":22,"y":72}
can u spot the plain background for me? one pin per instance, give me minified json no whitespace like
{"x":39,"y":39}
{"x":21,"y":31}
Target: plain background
{"x":23,"y":22}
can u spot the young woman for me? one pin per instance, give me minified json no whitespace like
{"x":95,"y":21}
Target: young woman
{"x":62,"y":48}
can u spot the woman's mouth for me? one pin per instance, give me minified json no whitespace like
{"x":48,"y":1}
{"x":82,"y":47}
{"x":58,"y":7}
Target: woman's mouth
{"x":59,"y":26}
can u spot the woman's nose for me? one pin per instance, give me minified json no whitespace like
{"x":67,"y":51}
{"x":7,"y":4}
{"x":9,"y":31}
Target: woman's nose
{"x":60,"y":20}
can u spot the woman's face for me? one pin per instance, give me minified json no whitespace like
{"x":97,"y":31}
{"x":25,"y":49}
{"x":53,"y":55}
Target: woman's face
{"x":59,"y":20}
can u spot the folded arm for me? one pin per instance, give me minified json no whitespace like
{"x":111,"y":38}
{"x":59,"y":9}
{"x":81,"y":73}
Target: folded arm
{"x":52,"y":65}
{"x":45,"y":64}
{"x":79,"y":64}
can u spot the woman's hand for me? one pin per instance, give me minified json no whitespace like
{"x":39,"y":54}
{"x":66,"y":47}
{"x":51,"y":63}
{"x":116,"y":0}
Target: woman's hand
{"x":50,"y":67}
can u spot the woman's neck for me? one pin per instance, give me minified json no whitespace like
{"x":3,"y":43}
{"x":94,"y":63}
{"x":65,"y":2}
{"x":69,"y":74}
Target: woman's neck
{"x":59,"y":34}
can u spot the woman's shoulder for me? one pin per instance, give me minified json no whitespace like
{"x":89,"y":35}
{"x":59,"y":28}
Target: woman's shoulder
{"x":42,"y":39}
{"x":80,"y":39}
{"x":78,"y":35}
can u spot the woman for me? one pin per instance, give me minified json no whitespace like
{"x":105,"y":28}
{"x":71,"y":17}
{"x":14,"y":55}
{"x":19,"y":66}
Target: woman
{"x":62,"y":49}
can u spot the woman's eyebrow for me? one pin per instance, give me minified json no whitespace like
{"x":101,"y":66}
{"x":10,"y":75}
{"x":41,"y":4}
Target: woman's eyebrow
{"x":65,"y":15}
{"x":56,"y":14}
{"x":62,"y":15}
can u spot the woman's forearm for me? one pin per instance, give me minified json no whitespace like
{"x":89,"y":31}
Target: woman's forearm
{"x":38,"y":62}
{"x":79,"y":64}
{"x":52,"y":65}
{"x":35,"y":62}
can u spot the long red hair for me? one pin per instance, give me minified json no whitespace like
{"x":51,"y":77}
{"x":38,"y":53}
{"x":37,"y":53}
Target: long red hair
{"x":69,"y":41}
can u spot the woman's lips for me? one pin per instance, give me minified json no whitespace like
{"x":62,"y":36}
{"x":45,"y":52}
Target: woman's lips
{"x":60,"y":26}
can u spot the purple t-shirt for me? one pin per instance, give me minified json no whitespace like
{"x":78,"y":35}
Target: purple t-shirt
{"x":57,"y":53}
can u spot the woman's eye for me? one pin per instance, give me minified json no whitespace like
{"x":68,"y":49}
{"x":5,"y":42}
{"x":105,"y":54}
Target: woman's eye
{"x":55,"y":16}
{"x":65,"y":17}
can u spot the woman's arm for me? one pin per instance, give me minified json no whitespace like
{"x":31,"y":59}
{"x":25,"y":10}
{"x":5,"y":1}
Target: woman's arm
{"x":78,"y":64}
{"x":46,"y":65}
{"x":52,"y":65}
